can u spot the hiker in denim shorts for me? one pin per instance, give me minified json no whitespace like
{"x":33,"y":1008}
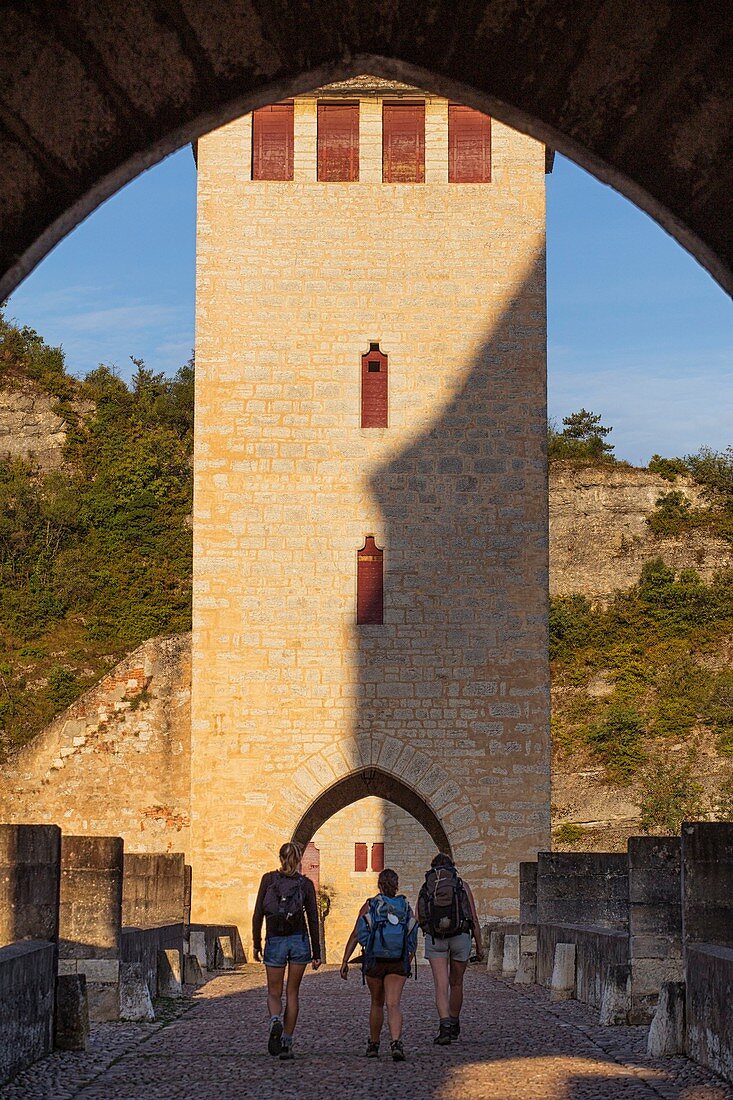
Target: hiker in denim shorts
{"x":286,"y":900}
{"x":449,"y":954}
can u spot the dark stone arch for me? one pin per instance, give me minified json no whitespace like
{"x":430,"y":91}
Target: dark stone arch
{"x":362,"y":784}
{"x":644,"y":103}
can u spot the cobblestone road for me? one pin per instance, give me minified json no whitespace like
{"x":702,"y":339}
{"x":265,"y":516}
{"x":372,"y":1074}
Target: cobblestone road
{"x":516,"y":1046}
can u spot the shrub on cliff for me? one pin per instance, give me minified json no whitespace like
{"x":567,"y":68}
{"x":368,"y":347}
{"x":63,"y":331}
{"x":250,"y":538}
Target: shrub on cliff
{"x":582,"y":439}
{"x":96,"y":557}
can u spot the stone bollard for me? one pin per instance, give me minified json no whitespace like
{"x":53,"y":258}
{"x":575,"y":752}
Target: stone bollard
{"x":169,"y":973}
{"x":197,"y":943}
{"x":616,"y":996}
{"x":72,"y":1012}
{"x":527,"y":969}
{"x":667,"y":1029}
{"x":135,"y":1003}
{"x":192,"y":972}
{"x":224,"y":953}
{"x":562,"y":986}
{"x":510,"y":960}
{"x":495,"y":956}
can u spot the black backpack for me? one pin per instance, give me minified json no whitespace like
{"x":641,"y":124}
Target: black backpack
{"x":283,"y":904}
{"x":442,"y":905}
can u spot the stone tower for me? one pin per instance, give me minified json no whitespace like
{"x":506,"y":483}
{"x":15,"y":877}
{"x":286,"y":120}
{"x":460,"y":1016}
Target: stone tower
{"x":370,"y":521}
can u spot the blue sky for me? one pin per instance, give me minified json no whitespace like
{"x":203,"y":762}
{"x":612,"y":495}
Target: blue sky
{"x":636,"y":329}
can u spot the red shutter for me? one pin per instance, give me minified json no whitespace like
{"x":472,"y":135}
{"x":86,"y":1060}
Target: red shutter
{"x":360,"y":857}
{"x":369,"y":583}
{"x":403,"y":142}
{"x":374,"y":388}
{"x":311,"y":864}
{"x":378,"y":857}
{"x":338,"y":142}
{"x":469,"y":145}
{"x":272,"y":142}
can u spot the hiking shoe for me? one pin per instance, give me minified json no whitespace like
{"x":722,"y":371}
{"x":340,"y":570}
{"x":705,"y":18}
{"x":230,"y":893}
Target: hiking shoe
{"x":286,"y":1054}
{"x":455,"y":1032}
{"x":398,"y":1051}
{"x":443,"y":1038}
{"x":274,"y":1045}
{"x":372,"y":1050}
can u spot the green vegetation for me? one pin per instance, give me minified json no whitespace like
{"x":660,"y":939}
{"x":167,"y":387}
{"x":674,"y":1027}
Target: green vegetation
{"x":568,"y":834}
{"x":657,"y":645}
{"x":669,"y":796}
{"x":674,"y":514}
{"x":95,"y":557}
{"x":582,"y":440}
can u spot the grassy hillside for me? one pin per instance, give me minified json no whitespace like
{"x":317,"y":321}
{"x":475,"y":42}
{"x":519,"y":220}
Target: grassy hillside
{"x":96,"y":557}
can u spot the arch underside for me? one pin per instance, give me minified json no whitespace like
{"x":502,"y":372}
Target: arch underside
{"x":645,"y":103}
{"x":363,"y":784}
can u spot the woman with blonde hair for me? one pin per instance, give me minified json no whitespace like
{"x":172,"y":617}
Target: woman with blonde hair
{"x":286,"y":899}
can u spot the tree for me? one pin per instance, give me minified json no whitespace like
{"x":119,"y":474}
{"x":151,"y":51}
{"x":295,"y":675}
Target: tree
{"x":583,"y":439}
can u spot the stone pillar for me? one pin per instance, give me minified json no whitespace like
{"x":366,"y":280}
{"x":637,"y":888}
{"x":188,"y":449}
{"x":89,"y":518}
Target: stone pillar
{"x":707,"y":935}
{"x":30,"y":868}
{"x":707,"y":883}
{"x":91,"y":918}
{"x":153,"y":889}
{"x":655,"y":920}
{"x":562,"y":985}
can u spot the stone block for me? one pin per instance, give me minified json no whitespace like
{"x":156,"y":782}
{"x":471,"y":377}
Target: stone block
{"x":709,"y":1019}
{"x":655,"y":920}
{"x":667,"y":1029}
{"x":192,"y":971}
{"x":169,"y":973}
{"x":197,"y":946}
{"x":153,"y":889}
{"x":30,"y":868}
{"x":707,"y":883}
{"x":510,"y":960}
{"x":224,"y":953}
{"x":562,"y":985}
{"x":27,"y":994}
{"x":71,"y":1022}
{"x":528,"y":895}
{"x":527,"y":970}
{"x":495,"y":954}
{"x":616,"y":996}
{"x":135,"y":1001}
{"x":90,"y":920}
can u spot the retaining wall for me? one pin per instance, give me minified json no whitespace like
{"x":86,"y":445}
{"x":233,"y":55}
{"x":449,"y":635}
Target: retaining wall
{"x":27,"y":991}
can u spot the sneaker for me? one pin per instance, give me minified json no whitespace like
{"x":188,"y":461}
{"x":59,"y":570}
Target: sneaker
{"x":443,"y":1038}
{"x":398,"y":1051}
{"x":372,"y":1050}
{"x":274,"y":1045}
{"x":286,"y":1054}
{"x":455,"y":1031}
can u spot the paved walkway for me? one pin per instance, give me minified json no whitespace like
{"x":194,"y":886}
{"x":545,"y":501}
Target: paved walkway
{"x":516,"y":1046}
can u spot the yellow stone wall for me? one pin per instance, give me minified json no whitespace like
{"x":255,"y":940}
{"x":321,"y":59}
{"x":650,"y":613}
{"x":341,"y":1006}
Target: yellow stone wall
{"x":451,"y":694}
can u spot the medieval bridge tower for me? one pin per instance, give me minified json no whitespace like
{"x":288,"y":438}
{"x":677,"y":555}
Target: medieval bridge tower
{"x":370,"y":522}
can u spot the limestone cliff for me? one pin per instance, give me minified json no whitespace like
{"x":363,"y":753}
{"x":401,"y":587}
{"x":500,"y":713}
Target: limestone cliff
{"x":599,"y":535}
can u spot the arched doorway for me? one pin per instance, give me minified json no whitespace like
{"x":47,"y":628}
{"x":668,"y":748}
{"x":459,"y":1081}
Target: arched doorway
{"x":363,"y":784}
{"x":367,"y":821}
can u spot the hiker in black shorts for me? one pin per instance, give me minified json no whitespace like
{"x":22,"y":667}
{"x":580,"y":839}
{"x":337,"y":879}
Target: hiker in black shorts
{"x":285,"y":899}
{"x":447,"y":914}
{"x":387,"y":930}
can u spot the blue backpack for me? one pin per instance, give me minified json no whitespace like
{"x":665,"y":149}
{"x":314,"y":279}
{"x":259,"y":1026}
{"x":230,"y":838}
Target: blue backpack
{"x":387,"y":931}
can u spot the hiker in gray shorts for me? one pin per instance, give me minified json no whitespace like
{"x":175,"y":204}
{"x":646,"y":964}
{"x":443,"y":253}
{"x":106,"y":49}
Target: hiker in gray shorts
{"x":447,"y":915}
